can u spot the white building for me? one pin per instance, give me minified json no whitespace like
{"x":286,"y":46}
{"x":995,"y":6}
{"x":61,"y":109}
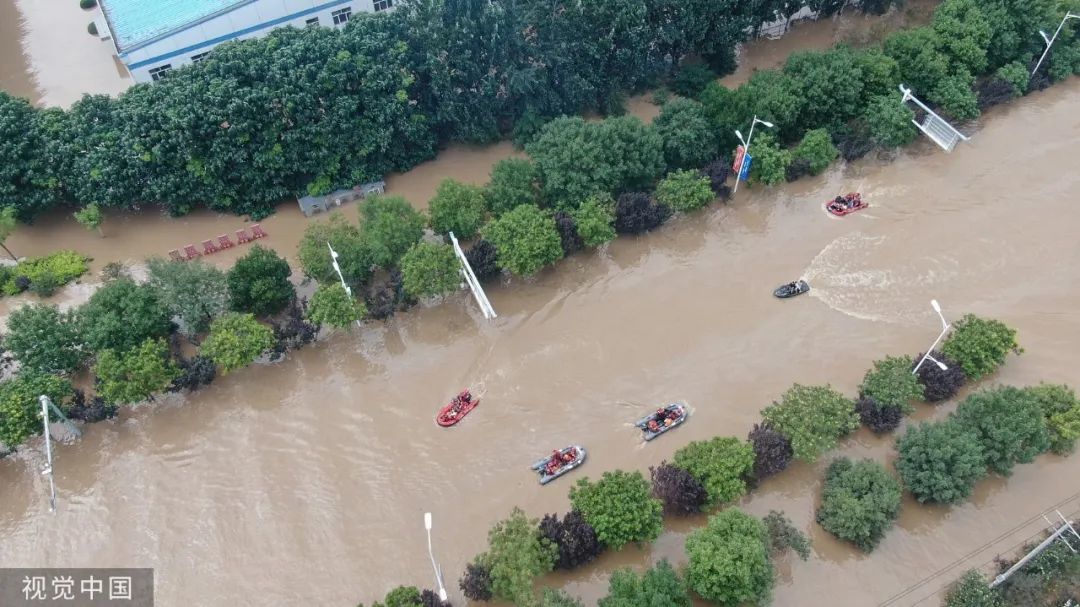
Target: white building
{"x":152,"y":37}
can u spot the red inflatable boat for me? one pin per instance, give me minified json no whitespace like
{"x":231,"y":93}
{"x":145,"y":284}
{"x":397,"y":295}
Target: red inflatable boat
{"x":456,"y":409}
{"x":845,"y":205}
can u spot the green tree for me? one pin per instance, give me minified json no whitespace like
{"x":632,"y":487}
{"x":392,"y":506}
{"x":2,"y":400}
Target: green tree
{"x":973,"y":590}
{"x":430,"y":270}
{"x":892,"y":383}
{"x":134,"y":375}
{"x":558,"y":598}
{"x":389,"y":226}
{"x":354,"y":257}
{"x":595,"y":220}
{"x":915,"y":51}
{"x":620,"y":507}
{"x":235,"y":340}
{"x":980,"y":345}
{"x":525,"y":240}
{"x":729,"y":560}
{"x":44,"y":340}
{"x":859,"y":503}
{"x":578,"y":159}
{"x":830,"y":85}
{"x":514,"y":182}
{"x":121,"y":315}
{"x":688,"y":138}
{"x":940,"y":462}
{"x":90,"y":217}
{"x":332,"y":306}
{"x":813,"y":417}
{"x":195,"y":293}
{"x":457,"y":208}
{"x":720,"y":464}
{"x":1008,"y":423}
{"x":8,"y":223}
{"x":259,"y":283}
{"x":784,"y":536}
{"x":963,"y":34}
{"x":20,"y":409}
{"x":685,"y":190}
{"x":27,"y":177}
{"x":817,"y":149}
{"x":658,"y":585}
{"x":403,"y":596}
{"x":1016,"y":74}
{"x":770,"y":161}
{"x":1061,"y":410}
{"x":770,"y":95}
{"x":890,"y":122}
{"x":956,"y":97}
{"x":516,"y":555}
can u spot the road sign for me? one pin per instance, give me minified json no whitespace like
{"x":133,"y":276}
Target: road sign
{"x":744,"y":174}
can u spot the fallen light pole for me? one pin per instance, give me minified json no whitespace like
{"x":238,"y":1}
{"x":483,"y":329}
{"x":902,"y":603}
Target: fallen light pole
{"x":933,"y":126}
{"x":474,"y":284}
{"x":1066,"y":526}
{"x":337,"y":268}
{"x":945,"y":326}
{"x":434,"y":565}
{"x":48,"y":471}
{"x":1050,"y":41}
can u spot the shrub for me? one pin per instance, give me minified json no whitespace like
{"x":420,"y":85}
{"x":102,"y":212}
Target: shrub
{"x":525,"y":240}
{"x":817,"y":149}
{"x":332,"y":306}
{"x":772,"y":450}
{"x":637,"y":212}
{"x":658,"y":586}
{"x":294,"y":330}
{"x":516,"y":555}
{"x":20,"y":409}
{"x":558,"y":598}
{"x":457,"y":208}
{"x":428,"y":598}
{"x":892,"y":383}
{"x":1061,"y":410}
{"x":973,"y":590}
{"x":403,"y":596}
{"x":690,"y":80}
{"x":813,"y":418}
{"x":121,"y":315}
{"x":770,"y":161}
{"x":195,"y":293}
{"x":513,"y":183}
{"x":729,"y":560}
{"x":939,"y":385}
{"x":859,"y":503}
{"x":720,"y":464}
{"x":482,"y":259}
{"x":569,"y":238}
{"x":940,"y":462}
{"x":955,"y":96}
{"x":236,"y":340}
{"x":689,"y":140}
{"x":1008,"y":424}
{"x":677,"y":489}
{"x":594,"y":220}
{"x":195,"y":372}
{"x":783,"y":536}
{"x":855,"y":139}
{"x":430,"y":270}
{"x":354,"y":256}
{"x":259,"y":283}
{"x":134,"y":375}
{"x":43,"y":275}
{"x":475,"y":584}
{"x":620,"y":507}
{"x":389,"y":226}
{"x":684,"y":191}
{"x":44,"y":339}
{"x":87,"y":4}
{"x":878,"y":417}
{"x":980,"y":345}
{"x":91,"y":28}
{"x":718,"y":172}
{"x":992,"y":91}
{"x":90,"y":412}
{"x":1017,"y":75}
{"x":575,"y":539}
{"x":890,"y":122}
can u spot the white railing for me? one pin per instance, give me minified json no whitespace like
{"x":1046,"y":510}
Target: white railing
{"x":474,"y":284}
{"x":933,"y":126}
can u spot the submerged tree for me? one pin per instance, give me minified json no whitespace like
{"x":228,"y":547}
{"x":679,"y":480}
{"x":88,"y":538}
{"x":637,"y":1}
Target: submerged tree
{"x":941,"y":384}
{"x":680,"y":492}
{"x":576,"y":539}
{"x":772,"y":450}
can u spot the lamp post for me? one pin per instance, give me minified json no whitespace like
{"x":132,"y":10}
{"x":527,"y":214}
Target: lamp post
{"x":438,"y":574}
{"x":1050,"y":41}
{"x":48,"y":471}
{"x":945,"y":326}
{"x":337,"y":268}
{"x":746,"y":148}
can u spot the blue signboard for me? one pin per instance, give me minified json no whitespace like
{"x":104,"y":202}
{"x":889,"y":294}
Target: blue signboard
{"x":744,"y":174}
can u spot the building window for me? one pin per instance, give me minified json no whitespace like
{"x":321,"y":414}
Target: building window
{"x":382,"y":5}
{"x":159,"y":72}
{"x":313,"y":22}
{"x":342,"y":15}
{"x":199,"y":57}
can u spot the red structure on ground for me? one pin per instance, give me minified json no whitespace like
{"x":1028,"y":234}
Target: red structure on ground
{"x":223,"y":242}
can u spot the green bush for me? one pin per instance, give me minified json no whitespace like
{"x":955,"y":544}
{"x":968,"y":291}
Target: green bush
{"x":332,"y":306}
{"x":892,"y":383}
{"x":20,"y":409}
{"x":354,"y":256}
{"x":690,"y":80}
{"x":955,"y":97}
{"x":121,"y":315}
{"x":859,"y":503}
{"x":134,"y":375}
{"x":1008,"y":423}
{"x":516,"y":555}
{"x":595,"y":220}
{"x":720,"y":464}
{"x":817,"y":149}
{"x":44,"y":339}
{"x":457,"y":208}
{"x":659,"y":586}
{"x":514,"y":182}
{"x":85,"y":4}
{"x":685,"y":191}
{"x":770,"y":161}
{"x":525,"y":240}
{"x":890,"y":122}
{"x":973,"y":590}
{"x":980,"y":345}
{"x":813,"y":417}
{"x":46,"y":273}
{"x":1061,"y":410}
{"x":236,"y":340}
{"x":689,"y":140}
{"x":430,"y":270}
{"x":729,"y":560}
{"x":1016,"y":74}
{"x":940,"y":462}
{"x":620,"y":507}
{"x":259,"y":283}
{"x":389,"y":226}
{"x":91,"y":28}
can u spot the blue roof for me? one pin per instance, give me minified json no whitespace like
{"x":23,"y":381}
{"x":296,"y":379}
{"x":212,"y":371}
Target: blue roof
{"x":135,"y":22}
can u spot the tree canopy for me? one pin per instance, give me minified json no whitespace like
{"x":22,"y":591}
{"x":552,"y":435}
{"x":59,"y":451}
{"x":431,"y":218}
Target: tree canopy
{"x":235,"y":340}
{"x":1008,"y":423}
{"x":194,"y":292}
{"x":892,"y":383}
{"x":430,"y":270}
{"x":729,"y":560}
{"x":620,"y":507}
{"x":1061,"y":410}
{"x":389,"y":226}
{"x":685,"y":191}
{"x":813,"y":417}
{"x":121,"y":315}
{"x":333,"y":307}
{"x":940,"y":462}
{"x":354,"y":256}
{"x":134,"y":375}
{"x":43,"y":339}
{"x":20,"y":409}
{"x":720,"y":464}
{"x":516,"y":554}
{"x":658,"y":585}
{"x":514,"y":182}
{"x":525,"y":240}
{"x":980,"y":345}
{"x":259,"y":283}
{"x":688,"y":138}
{"x":859,"y":503}
{"x":457,"y":207}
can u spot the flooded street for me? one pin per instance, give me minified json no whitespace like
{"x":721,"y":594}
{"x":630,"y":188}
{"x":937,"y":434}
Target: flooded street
{"x":306,"y":482}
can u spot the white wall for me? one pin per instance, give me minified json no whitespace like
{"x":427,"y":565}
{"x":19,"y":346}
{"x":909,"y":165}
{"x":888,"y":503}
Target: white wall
{"x":246,"y":16}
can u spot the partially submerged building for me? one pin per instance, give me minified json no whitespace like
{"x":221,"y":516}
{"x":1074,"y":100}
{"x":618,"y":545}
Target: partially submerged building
{"x":152,"y":37}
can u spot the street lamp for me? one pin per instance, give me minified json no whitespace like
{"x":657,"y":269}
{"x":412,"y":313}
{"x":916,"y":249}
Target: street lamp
{"x":438,"y":574}
{"x":48,"y":471}
{"x":337,"y":268}
{"x":746,"y":148}
{"x":945,"y":326}
{"x":1050,"y":41}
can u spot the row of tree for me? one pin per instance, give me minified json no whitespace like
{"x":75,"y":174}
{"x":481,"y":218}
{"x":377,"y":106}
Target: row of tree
{"x":311,"y":110}
{"x":730,"y":560}
{"x":126,"y":335}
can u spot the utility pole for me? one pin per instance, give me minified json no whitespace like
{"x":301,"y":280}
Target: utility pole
{"x":48,"y":471}
{"x":1066,"y":527}
{"x":470,"y":279}
{"x":337,"y":268}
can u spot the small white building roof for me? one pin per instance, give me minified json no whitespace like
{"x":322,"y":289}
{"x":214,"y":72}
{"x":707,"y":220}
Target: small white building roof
{"x":137,"y":22}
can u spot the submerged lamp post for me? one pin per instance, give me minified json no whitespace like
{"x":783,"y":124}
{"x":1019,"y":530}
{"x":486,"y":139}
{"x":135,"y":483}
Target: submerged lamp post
{"x":48,"y":471}
{"x":438,"y":574}
{"x":945,"y":326}
{"x":746,"y":148}
{"x":1050,"y":41}
{"x":337,"y":268}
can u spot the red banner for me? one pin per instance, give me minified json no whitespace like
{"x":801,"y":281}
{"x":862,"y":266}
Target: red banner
{"x":738,"y":159}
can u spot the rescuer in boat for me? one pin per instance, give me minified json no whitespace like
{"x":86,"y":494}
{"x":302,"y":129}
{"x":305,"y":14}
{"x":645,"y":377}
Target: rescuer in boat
{"x":459,"y":403}
{"x":558,"y":459}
